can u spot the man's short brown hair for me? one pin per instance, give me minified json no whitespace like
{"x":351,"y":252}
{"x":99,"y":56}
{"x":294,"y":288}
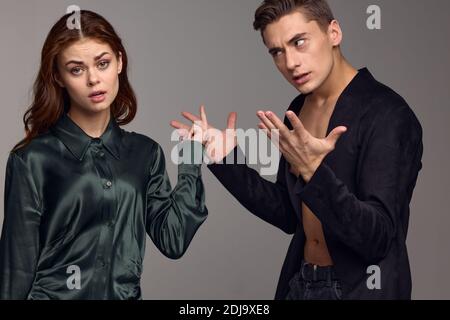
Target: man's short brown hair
{"x":272,"y":10}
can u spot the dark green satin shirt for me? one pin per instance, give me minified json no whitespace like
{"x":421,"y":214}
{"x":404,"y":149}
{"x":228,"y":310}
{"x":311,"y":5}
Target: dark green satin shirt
{"x":77,"y":211}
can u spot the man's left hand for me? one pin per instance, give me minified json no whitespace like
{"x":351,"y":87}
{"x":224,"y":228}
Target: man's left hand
{"x":303,"y":151}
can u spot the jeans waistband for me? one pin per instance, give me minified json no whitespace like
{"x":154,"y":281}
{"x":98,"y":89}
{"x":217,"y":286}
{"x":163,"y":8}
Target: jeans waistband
{"x":312,"y":272}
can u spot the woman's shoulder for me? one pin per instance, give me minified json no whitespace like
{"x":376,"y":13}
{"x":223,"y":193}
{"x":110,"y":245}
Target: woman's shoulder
{"x":131,"y":138}
{"x":38,"y":146}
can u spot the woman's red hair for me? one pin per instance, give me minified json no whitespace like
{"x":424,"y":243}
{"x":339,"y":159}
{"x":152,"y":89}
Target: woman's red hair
{"x":49,"y":99}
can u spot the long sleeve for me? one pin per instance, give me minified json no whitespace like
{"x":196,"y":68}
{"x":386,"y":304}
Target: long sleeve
{"x":267,"y":200}
{"x":368,"y":220}
{"x":19,"y":243}
{"x":173,"y":216}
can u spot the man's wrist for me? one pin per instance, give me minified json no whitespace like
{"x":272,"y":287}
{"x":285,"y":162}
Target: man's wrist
{"x":308,"y":171}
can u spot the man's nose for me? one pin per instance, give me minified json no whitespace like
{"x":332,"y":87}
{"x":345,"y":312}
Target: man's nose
{"x":292,"y":60}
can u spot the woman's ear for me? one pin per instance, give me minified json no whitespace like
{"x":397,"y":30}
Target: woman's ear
{"x":58,"y":80}
{"x":119,"y":63}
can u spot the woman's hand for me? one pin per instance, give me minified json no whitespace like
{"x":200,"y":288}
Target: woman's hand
{"x":218,"y":143}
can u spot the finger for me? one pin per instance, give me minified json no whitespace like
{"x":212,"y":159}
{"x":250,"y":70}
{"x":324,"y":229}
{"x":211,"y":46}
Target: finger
{"x":277,"y":123}
{"x":231,"y":123}
{"x":297,"y":124}
{"x":182,"y":134}
{"x":179,"y":125}
{"x":262,"y":116}
{"x":334,"y":135}
{"x":203,"y":117}
{"x":190,"y":116}
{"x":266,"y":131}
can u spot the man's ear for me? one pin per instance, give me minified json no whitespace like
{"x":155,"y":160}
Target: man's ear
{"x":119,"y":63}
{"x":335,"y":33}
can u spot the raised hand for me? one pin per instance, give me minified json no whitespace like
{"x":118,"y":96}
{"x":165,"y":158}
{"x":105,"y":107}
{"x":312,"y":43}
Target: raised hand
{"x":302,"y":150}
{"x":218,"y":143}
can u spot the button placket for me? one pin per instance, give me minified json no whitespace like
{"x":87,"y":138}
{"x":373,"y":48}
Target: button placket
{"x":106,"y":238}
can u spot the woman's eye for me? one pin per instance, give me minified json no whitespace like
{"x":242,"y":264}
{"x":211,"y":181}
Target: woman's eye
{"x":76,"y":71}
{"x":103,"y":64}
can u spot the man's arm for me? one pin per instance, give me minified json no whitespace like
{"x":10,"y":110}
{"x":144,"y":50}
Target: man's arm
{"x":267,"y":200}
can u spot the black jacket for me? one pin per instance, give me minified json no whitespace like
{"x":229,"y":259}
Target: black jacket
{"x":360,"y":193}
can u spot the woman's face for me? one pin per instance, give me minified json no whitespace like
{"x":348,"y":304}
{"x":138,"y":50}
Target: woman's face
{"x":89,"y":70}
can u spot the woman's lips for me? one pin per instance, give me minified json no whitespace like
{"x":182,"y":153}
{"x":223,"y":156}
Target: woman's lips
{"x":302,"y":79}
{"x":98,"y":96}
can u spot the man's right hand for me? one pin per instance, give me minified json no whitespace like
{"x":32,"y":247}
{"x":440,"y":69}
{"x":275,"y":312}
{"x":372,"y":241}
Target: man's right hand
{"x":218,"y":144}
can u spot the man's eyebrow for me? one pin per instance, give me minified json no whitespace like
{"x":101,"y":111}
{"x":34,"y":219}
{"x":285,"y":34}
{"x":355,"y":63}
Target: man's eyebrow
{"x":274,"y":50}
{"x":81,"y":62}
{"x":297,"y":36}
{"x":291,"y":41}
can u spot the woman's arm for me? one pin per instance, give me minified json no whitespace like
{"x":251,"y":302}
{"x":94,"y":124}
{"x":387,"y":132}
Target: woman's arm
{"x":19,"y":243}
{"x":173,"y":216}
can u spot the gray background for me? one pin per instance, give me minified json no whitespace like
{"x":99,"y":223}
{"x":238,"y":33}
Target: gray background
{"x":187,"y":52}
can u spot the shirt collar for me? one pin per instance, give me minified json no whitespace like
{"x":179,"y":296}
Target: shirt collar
{"x":352,"y":97}
{"x":77,"y":141}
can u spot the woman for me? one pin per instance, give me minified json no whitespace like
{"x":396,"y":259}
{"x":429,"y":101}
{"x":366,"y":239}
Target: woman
{"x":81,"y":193}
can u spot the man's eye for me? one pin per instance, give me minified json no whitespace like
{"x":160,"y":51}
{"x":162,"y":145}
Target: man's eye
{"x":76,"y":71}
{"x":276,"y":53}
{"x":299,"y":42}
{"x":103,"y":64}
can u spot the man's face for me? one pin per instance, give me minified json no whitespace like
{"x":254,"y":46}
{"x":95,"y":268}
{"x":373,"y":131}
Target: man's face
{"x":301,"y":50}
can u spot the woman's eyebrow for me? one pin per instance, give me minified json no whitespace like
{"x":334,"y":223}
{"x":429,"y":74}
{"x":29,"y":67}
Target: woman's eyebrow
{"x":100,"y":55}
{"x":75,"y":62}
{"x":81,"y":62}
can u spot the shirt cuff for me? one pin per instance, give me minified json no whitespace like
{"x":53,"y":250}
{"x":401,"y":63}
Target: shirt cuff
{"x":191,"y":152}
{"x":190,"y":169}
{"x":234,"y":157}
{"x":318,"y":186}
{"x":191,"y":156}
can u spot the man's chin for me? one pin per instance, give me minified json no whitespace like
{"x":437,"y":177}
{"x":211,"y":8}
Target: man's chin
{"x":304,"y":89}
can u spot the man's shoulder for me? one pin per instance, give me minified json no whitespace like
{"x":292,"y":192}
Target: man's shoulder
{"x":384,"y":103}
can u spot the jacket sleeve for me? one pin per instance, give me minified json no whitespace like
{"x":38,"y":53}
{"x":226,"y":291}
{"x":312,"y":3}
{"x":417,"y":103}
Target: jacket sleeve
{"x":173,"y":216}
{"x":267,"y":200}
{"x":367,"y":220}
{"x":19,"y":243}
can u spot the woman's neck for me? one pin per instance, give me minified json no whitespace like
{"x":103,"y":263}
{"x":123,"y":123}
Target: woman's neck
{"x":93,"y":124}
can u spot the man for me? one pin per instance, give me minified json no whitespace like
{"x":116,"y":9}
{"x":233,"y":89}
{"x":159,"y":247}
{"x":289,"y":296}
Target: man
{"x":343,"y":193}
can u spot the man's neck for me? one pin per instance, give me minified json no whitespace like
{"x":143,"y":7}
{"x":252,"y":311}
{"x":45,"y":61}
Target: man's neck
{"x":341,"y":75}
{"x":93,"y":124}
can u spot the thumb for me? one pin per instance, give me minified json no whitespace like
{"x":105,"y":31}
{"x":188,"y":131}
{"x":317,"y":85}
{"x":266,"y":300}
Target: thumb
{"x":334,"y":135}
{"x":232,"y":120}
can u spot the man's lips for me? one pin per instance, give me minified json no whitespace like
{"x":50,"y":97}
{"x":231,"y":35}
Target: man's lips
{"x":301,"y":78}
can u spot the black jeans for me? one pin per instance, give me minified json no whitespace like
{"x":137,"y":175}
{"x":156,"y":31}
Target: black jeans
{"x":314,"y":283}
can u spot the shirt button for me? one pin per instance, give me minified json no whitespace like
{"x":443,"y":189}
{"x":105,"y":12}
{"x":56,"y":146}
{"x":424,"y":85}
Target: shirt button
{"x":107,"y":184}
{"x":101,"y":262}
{"x":101,"y":154}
